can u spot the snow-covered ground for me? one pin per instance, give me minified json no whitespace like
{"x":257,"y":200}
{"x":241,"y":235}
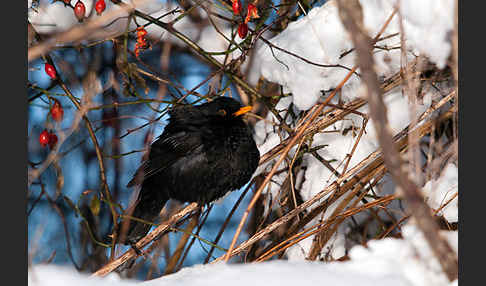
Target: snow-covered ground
{"x":389,"y":261}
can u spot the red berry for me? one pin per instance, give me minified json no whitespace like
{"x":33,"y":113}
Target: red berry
{"x":57,"y":112}
{"x":242,"y":30}
{"x":236,"y":6}
{"x":50,"y":70}
{"x":52,"y":140}
{"x":79,"y":10}
{"x":100,"y":6}
{"x":67,"y":1}
{"x":44,"y":138}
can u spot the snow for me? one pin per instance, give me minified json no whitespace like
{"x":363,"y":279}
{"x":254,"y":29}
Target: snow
{"x":428,"y":26}
{"x":318,"y":38}
{"x":321,"y":38}
{"x":389,"y":261}
{"x":269,"y":273}
{"x":440,"y":191}
{"x":410,"y":257}
{"x":52,"y":17}
{"x":55,"y":275}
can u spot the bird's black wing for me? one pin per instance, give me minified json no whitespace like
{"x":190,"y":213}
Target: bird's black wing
{"x":164,"y":152}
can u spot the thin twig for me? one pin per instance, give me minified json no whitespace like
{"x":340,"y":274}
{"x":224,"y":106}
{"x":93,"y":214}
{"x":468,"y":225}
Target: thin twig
{"x":351,"y":15}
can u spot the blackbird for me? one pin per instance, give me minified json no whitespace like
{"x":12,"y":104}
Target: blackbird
{"x":204,"y":152}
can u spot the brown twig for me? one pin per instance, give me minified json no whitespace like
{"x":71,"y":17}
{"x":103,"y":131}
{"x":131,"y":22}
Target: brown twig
{"x":351,"y":15}
{"x":225,"y":224}
{"x":351,"y":177}
{"x":77,"y":32}
{"x":292,"y":142}
{"x":131,"y":254}
{"x":172,"y":263}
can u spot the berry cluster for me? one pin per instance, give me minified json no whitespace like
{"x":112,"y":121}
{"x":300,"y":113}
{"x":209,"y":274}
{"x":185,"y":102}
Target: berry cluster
{"x":142,"y":43}
{"x":57,"y":113}
{"x":251,"y":13}
{"x":47,"y":138}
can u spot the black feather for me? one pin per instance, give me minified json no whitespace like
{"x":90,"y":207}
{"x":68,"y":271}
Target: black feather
{"x":204,"y":152}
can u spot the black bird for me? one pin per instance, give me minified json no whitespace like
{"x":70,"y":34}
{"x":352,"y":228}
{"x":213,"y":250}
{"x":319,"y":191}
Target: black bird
{"x":204,"y":152}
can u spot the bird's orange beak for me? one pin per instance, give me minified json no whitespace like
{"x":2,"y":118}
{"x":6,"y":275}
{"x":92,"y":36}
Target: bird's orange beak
{"x":243,"y":110}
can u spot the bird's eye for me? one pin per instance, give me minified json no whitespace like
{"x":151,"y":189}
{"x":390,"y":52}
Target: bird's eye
{"x":222,"y":112}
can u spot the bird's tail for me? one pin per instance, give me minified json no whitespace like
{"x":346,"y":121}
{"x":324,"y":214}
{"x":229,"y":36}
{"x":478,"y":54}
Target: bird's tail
{"x":148,"y":206}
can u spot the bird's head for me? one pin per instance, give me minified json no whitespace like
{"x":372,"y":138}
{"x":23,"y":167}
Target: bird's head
{"x":225,"y":108}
